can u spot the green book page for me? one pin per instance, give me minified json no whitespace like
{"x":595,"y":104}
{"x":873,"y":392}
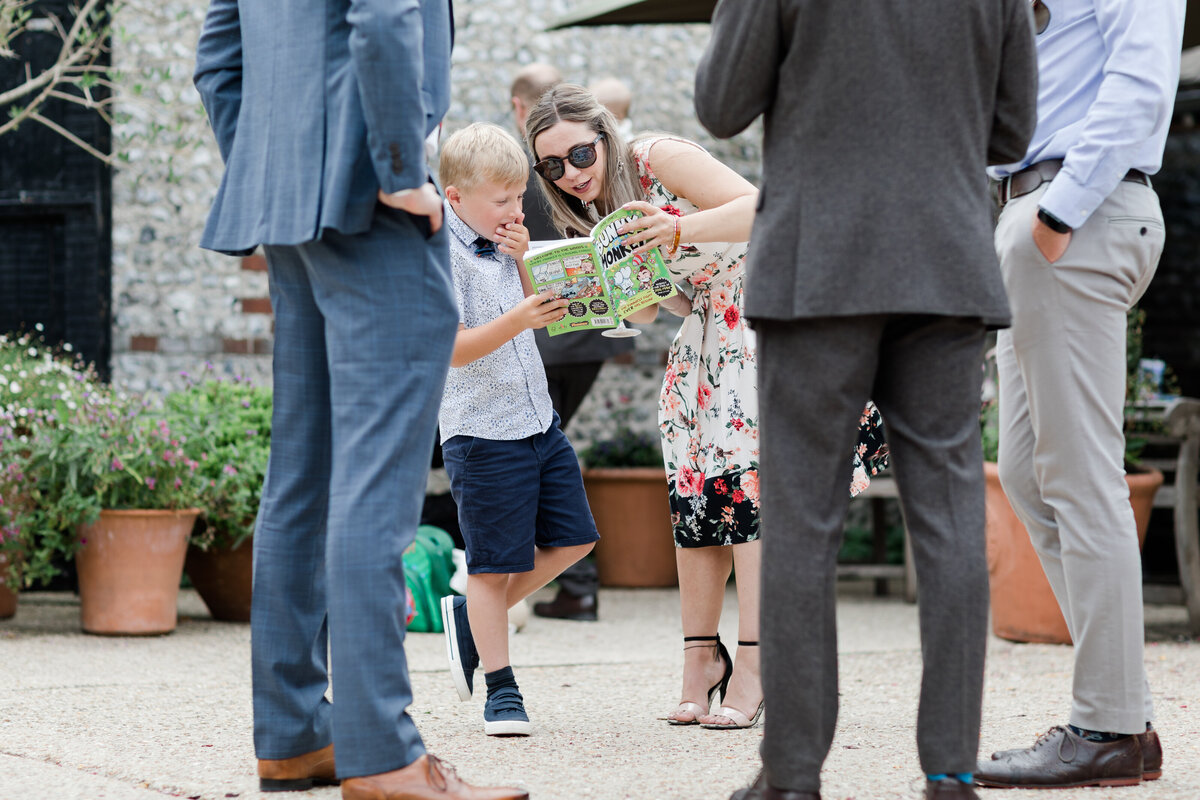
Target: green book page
{"x":570,"y":271}
{"x":633,"y":281}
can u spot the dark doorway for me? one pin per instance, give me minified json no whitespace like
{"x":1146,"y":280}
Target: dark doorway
{"x":55,"y":213}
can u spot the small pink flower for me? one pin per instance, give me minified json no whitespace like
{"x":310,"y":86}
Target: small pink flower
{"x":116,"y":465}
{"x":229,"y":469}
{"x":739,"y":496}
{"x":179,"y":483}
{"x":150,"y":482}
{"x":704,"y":396}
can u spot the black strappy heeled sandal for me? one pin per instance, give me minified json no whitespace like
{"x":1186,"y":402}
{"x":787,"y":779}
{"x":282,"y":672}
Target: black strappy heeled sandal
{"x":736,"y":718}
{"x":718,"y":688}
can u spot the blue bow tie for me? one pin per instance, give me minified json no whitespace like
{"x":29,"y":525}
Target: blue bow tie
{"x":484,"y":247}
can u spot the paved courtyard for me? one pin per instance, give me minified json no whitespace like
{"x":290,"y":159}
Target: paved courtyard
{"x":138,"y":719}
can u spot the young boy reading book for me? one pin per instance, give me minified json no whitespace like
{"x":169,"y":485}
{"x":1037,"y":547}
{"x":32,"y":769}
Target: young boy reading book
{"x":513,"y":474}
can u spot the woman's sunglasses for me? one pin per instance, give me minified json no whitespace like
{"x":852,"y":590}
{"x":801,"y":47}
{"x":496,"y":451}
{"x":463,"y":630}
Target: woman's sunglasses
{"x":1041,"y":16}
{"x":580,"y":156}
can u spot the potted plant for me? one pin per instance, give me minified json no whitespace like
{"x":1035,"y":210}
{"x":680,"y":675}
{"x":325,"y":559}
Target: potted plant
{"x":626,"y":485}
{"x":37,"y":386}
{"x":111,"y":483}
{"x":1024,"y":608}
{"x":231,"y":419}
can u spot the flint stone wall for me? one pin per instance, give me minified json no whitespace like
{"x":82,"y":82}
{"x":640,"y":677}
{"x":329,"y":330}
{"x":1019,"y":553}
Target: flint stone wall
{"x":177,"y":306}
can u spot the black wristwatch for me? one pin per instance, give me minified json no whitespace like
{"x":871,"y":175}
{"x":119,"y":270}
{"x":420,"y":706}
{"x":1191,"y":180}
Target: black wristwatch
{"x":1052,"y":222}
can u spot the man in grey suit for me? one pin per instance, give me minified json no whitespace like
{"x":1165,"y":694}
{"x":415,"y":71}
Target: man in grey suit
{"x":321,"y":109}
{"x":871,"y":274}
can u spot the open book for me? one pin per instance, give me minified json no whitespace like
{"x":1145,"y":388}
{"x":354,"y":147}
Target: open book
{"x":601,"y":278}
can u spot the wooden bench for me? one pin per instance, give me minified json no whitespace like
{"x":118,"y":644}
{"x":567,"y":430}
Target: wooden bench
{"x":1180,"y":420}
{"x":883,"y":487}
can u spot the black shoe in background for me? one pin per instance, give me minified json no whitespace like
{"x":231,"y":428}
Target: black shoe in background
{"x":569,"y":606}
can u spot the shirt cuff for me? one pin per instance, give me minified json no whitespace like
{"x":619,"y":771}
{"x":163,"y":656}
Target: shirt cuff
{"x":1070,"y":202}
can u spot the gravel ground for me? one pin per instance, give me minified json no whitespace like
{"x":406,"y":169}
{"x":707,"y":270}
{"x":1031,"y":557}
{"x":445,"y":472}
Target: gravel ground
{"x":140,"y":718}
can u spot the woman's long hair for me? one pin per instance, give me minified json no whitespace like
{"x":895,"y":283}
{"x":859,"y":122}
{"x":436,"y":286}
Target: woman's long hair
{"x":570,"y":103}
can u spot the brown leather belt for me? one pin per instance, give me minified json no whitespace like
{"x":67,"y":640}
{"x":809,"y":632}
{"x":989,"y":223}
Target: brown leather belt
{"x":1033,"y":176}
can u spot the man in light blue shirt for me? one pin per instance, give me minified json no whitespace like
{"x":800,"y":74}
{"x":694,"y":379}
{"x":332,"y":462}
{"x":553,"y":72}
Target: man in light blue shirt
{"x":1079,"y":238}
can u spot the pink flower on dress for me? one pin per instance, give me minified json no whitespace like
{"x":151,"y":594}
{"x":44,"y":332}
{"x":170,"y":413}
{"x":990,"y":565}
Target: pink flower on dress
{"x":719,"y":486}
{"x":688,"y":482}
{"x":672,"y":210}
{"x":704,"y":395}
{"x":732,"y":316}
{"x":739,"y":496}
{"x":749,"y":484}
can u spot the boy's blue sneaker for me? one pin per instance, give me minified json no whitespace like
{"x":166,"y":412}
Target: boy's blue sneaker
{"x":460,"y":645}
{"x":504,"y":714}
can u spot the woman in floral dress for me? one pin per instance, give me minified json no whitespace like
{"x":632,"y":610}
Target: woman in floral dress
{"x":699,"y":213}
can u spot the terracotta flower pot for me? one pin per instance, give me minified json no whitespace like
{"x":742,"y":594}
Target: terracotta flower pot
{"x":633,"y":515}
{"x":1024,"y":608}
{"x":223,"y":577}
{"x":8,"y":590}
{"x":129,"y":569}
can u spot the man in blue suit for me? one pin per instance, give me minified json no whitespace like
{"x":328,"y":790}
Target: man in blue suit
{"x":321,"y":110}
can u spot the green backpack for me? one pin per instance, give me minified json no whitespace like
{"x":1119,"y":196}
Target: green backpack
{"x":428,"y":565}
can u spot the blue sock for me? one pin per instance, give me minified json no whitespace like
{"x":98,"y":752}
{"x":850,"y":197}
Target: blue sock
{"x":1097,"y":736}
{"x":962,"y":777}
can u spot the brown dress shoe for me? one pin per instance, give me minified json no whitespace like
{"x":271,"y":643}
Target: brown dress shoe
{"x":297,"y":774}
{"x":1060,"y":759}
{"x":427,"y":778}
{"x":1151,"y":755}
{"x":949,"y":790}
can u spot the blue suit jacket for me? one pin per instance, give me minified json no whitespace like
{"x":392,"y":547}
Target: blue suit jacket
{"x":316,"y":105}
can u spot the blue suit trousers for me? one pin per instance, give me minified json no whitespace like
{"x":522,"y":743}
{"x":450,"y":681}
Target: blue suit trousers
{"x":365,"y":327}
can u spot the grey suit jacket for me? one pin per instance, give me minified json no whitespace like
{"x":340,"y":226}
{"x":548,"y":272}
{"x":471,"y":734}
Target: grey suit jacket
{"x":880,"y":117}
{"x":316,"y":105}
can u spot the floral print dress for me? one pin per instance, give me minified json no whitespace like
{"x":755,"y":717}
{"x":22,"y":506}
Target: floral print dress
{"x":708,"y":408}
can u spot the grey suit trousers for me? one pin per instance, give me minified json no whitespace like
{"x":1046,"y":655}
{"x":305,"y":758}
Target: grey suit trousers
{"x":815,"y":375}
{"x":1062,"y":391}
{"x":365,"y":324}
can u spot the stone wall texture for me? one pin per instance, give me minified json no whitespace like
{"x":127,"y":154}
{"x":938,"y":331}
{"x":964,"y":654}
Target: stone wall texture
{"x":177,"y":306}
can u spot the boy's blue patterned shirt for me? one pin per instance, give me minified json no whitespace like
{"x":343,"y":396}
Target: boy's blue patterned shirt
{"x":503,"y":395}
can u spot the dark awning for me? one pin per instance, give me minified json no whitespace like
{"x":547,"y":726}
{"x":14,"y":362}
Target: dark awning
{"x":631,"y":12}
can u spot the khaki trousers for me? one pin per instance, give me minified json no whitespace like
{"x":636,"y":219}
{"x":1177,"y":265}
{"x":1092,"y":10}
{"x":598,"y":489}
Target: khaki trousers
{"x":1062,"y":392}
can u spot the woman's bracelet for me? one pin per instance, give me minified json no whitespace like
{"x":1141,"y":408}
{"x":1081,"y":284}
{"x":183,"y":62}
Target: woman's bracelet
{"x":674,"y":244}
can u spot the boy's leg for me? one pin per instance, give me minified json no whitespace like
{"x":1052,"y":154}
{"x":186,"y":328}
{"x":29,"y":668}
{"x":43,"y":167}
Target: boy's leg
{"x":548,"y":563}
{"x":487,"y":609}
{"x":565,"y":530}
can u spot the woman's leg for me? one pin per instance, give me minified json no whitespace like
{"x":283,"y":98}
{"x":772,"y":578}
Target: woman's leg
{"x":745,"y":687}
{"x":703,"y":573}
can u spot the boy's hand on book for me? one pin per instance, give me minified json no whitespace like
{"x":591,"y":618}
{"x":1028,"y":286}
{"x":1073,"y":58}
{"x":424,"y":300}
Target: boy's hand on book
{"x":539,"y":310}
{"x":513,"y":238}
{"x":655,"y":228}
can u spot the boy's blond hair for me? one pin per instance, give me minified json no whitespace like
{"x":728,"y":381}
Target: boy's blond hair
{"x":479,"y":153}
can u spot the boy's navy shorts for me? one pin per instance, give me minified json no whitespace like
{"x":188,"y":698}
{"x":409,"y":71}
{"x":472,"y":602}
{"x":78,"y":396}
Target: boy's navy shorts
{"x":516,"y":495}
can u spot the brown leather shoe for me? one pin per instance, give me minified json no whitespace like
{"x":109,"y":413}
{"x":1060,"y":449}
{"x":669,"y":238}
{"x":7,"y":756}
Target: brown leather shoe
{"x":1060,"y":759}
{"x":1151,"y":755}
{"x":569,"y":606}
{"x":427,"y":778}
{"x":297,"y":774}
{"x":761,"y":790}
{"x":949,"y":790}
